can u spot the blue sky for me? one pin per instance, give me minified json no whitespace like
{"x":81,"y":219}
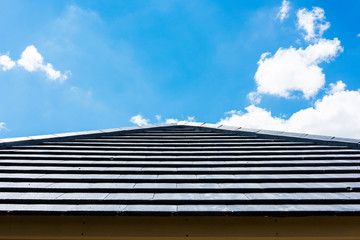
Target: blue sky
{"x":122,"y":63}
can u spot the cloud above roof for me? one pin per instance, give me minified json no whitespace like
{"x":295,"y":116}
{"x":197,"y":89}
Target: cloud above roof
{"x":139,"y":120}
{"x":335,"y":114}
{"x":32,"y":61}
{"x":296,"y":69}
{"x":291,"y":69}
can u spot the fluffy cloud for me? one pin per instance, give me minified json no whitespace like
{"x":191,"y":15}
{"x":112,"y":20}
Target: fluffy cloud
{"x":6,"y":62}
{"x":139,"y":120}
{"x":32,"y":61}
{"x":292,"y":69}
{"x":171,"y":120}
{"x":254,"y":117}
{"x":284,"y":10}
{"x":338,"y":87}
{"x":335,"y":114}
{"x":312,"y":22}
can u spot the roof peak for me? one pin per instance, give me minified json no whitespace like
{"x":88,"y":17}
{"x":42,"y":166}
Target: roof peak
{"x":321,"y":139}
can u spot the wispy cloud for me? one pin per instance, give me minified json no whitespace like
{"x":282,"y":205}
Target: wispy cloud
{"x":254,"y":97}
{"x":191,"y":119}
{"x":2,"y":126}
{"x":284,"y":10}
{"x":31,"y":60}
{"x":312,"y":22}
{"x":158,"y":117}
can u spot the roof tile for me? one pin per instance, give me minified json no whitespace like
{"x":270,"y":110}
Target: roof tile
{"x":184,"y":168}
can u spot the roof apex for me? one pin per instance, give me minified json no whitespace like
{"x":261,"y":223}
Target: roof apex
{"x":328,"y":140}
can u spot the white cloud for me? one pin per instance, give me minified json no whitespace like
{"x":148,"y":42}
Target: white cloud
{"x":358,"y":35}
{"x":2,"y":126}
{"x":312,"y":22}
{"x":292,"y":69}
{"x":284,"y":10}
{"x":139,"y":120}
{"x":6,"y":62}
{"x":174,"y":120}
{"x":255,"y":117}
{"x":338,"y":87}
{"x":171,"y":120}
{"x":191,"y":119}
{"x":32,"y":61}
{"x":335,"y":114}
{"x":254,"y":97}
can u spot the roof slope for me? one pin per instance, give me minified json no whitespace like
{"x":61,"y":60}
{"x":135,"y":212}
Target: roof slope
{"x":180,"y":170}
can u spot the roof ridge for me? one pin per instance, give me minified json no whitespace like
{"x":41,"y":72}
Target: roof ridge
{"x":320,"y":139}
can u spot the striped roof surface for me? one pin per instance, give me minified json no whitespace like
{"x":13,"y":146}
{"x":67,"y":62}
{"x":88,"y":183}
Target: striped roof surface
{"x":180,"y":169}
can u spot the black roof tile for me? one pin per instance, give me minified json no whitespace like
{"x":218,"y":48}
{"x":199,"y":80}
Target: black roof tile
{"x":185,"y":169}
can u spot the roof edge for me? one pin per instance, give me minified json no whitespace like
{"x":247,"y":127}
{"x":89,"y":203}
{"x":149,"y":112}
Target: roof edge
{"x":320,"y":139}
{"x":9,"y":142}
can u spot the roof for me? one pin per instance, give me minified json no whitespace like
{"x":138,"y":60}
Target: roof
{"x":180,"y":169}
